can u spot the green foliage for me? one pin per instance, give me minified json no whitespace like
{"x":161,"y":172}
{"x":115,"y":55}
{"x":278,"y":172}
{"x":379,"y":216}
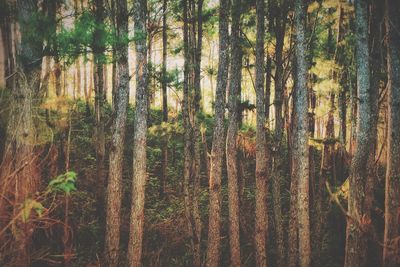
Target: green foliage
{"x":63,"y":183}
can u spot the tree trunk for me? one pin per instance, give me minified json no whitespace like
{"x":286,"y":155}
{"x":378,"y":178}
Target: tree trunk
{"x":19,"y":167}
{"x":188,"y":135}
{"x":261,"y":221}
{"x":358,"y":210}
{"x":300,"y":140}
{"x":114,"y":188}
{"x":277,"y":162}
{"x":139,"y":174}
{"x":78,"y":60}
{"x":98,"y":78}
{"x":231,"y":136}
{"x":392,"y":183}
{"x":217,"y":150}
{"x":196,"y":132}
{"x":268,"y":77}
{"x":164,"y":152}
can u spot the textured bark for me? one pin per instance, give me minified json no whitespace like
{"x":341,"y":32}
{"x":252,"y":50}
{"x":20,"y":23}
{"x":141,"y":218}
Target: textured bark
{"x":280,"y":12}
{"x":164,"y":152}
{"x":342,"y":97}
{"x":21,"y":177}
{"x":7,"y":36}
{"x":356,"y":239}
{"x":114,"y":187}
{"x":196,"y":130}
{"x":188,"y":135}
{"x":392,"y":182}
{"x":231,"y":136}
{"x":280,"y":26}
{"x":268,"y":77}
{"x":300,"y":140}
{"x":139,"y":174}
{"x":261,"y":221}
{"x":98,"y":78}
{"x":217,"y":150}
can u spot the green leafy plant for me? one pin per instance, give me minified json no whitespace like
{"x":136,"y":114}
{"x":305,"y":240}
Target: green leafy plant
{"x":63,"y":183}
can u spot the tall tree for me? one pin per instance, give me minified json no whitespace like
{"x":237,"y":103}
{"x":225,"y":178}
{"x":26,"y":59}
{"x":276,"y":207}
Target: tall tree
{"x":217,"y":150}
{"x":164,"y":163}
{"x":261,"y":224}
{"x":392,"y":183}
{"x":19,"y":167}
{"x":279,"y":11}
{"x":114,"y":187}
{"x":358,"y":202}
{"x":139,"y":174}
{"x":98,"y":47}
{"x":231,"y":135}
{"x":197,"y":24}
{"x":300,"y":139}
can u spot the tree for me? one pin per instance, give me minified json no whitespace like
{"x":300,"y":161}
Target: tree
{"x":217,"y":150}
{"x":261,"y":224}
{"x":300,"y":139}
{"x":231,"y":135}
{"x":392,"y":182}
{"x":98,"y":47}
{"x":279,"y":12}
{"x":359,"y":187}
{"x":114,"y":187}
{"x":20,"y":160}
{"x":164,"y":163}
{"x":139,"y":174}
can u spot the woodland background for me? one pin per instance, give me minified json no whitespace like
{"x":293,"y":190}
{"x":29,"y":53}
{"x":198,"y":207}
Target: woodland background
{"x":199,"y":132}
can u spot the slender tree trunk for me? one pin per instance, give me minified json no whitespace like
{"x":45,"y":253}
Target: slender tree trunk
{"x":356,"y":239}
{"x":300,"y":141}
{"x":280,"y":25}
{"x":164,"y":152}
{"x":268,"y":77}
{"x":261,"y":221}
{"x":78,"y":60}
{"x":187,"y":153}
{"x":231,"y":136}
{"x":217,"y":150}
{"x":114,"y":188}
{"x":196,"y":132}
{"x":392,"y":183}
{"x":98,"y":78}
{"x":139,"y":174}
{"x":7,"y":34}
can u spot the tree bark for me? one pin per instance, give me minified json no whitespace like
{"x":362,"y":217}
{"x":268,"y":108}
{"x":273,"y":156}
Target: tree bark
{"x":231,"y":136}
{"x":196,"y":131}
{"x":164,"y":152}
{"x":280,"y":26}
{"x":139,"y":174}
{"x":114,"y":187}
{"x":98,"y":78}
{"x":217,"y":150}
{"x":358,"y":210}
{"x":261,"y":220}
{"x":392,"y":182}
{"x":19,"y":166}
{"x":300,"y":141}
